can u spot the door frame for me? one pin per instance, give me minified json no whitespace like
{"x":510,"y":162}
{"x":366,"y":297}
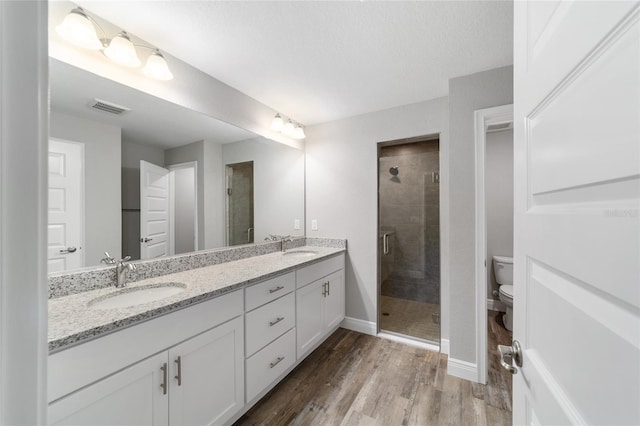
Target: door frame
{"x":172,"y":202}
{"x":482,"y":119}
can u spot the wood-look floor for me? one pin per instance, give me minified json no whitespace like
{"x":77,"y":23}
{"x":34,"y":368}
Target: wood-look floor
{"x":356,"y":379}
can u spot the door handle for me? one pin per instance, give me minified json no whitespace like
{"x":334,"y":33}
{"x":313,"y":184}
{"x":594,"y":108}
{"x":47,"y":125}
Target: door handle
{"x":69,"y":250}
{"x":514,"y":353}
{"x":385,"y":243}
{"x":277,"y":320}
{"x":163,"y":385}
{"x":179,"y":375}
{"x":145,"y":240}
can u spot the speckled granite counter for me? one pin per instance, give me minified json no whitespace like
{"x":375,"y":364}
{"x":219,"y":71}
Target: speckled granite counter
{"x":72,"y":321}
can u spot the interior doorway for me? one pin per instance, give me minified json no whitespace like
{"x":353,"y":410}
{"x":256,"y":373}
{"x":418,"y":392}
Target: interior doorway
{"x":409,"y":238}
{"x":239,"y":215}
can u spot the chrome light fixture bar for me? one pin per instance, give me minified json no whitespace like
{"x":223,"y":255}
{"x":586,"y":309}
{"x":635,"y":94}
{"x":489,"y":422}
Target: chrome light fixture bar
{"x":79,"y":29}
{"x":289,"y":129}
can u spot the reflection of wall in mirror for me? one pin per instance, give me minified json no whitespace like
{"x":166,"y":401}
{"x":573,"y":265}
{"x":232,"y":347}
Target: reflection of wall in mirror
{"x":102,"y":181}
{"x":278,"y":184}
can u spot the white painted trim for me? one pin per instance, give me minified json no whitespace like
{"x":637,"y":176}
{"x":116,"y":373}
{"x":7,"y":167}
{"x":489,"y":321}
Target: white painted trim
{"x":483,"y":118}
{"x":361,"y":326}
{"x":463,"y":369}
{"x":444,"y":346}
{"x":408,"y":341}
{"x":23,"y":211}
{"x":496,"y":305}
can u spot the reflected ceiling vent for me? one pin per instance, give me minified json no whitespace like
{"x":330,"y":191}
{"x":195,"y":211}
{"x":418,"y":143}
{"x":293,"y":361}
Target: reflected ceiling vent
{"x":109,"y":107}
{"x":497,"y":127}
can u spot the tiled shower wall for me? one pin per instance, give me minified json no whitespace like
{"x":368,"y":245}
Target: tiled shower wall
{"x":409,"y":213}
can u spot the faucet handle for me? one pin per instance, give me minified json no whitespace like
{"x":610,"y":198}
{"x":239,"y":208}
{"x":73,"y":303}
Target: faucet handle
{"x":108,"y":259}
{"x":125,"y":259}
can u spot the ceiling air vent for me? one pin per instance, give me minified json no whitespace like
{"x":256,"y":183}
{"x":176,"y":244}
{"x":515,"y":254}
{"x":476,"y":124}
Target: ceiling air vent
{"x":109,"y":107}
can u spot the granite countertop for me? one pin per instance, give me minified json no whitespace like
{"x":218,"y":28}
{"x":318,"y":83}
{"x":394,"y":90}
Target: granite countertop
{"x":72,"y":321}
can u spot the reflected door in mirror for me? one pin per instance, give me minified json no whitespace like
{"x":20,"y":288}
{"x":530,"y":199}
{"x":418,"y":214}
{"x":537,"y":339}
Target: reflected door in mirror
{"x":66,"y":205}
{"x":154,"y":211}
{"x":240,"y":226}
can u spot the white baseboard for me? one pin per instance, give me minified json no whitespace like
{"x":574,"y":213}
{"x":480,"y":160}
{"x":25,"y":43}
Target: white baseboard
{"x":444,"y":346}
{"x":361,"y":326}
{"x":463,"y":369}
{"x":496,"y":305}
{"x":408,"y":341}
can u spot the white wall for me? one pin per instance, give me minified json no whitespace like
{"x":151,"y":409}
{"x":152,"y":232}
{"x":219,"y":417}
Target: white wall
{"x":214,"y":196}
{"x":23,"y":213}
{"x":466,"y":95}
{"x":133,"y":152}
{"x":341,"y":190}
{"x":185,"y":210}
{"x":278,"y":174}
{"x":499,"y":200}
{"x":102,"y":202}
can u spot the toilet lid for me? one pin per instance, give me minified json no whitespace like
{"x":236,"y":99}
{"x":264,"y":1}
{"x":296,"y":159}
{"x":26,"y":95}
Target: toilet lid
{"x":507,"y":290}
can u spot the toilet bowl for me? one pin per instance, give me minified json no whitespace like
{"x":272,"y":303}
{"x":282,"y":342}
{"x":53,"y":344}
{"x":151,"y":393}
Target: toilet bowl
{"x":503,"y":269}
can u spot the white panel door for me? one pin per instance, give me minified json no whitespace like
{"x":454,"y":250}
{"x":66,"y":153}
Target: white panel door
{"x":154,"y":211}
{"x":577,"y":221}
{"x":66,"y":206}
{"x":309,"y":316}
{"x":133,"y":396}
{"x":207,"y":379}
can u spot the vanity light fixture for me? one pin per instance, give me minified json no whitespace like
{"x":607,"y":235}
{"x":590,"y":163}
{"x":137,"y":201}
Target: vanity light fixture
{"x":288,"y":129}
{"x":80,"y":29}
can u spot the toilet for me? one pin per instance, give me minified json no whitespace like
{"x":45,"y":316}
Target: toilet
{"x":503,"y":269}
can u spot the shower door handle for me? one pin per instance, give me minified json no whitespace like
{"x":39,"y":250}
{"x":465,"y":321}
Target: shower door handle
{"x":249,"y":230}
{"x":385,"y":243}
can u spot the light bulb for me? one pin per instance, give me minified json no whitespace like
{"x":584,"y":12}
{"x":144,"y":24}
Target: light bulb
{"x":288,"y":128}
{"x":277,"y":123}
{"x":157,"y":67}
{"x":298,"y":132}
{"x":76,"y":28}
{"x":122,"y":51}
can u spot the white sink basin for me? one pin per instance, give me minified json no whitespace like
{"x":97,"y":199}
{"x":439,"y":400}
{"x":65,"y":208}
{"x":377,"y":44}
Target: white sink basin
{"x":133,"y":296}
{"x":300,"y":253}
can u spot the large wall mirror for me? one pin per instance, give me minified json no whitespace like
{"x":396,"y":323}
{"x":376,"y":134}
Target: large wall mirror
{"x":134,"y":175}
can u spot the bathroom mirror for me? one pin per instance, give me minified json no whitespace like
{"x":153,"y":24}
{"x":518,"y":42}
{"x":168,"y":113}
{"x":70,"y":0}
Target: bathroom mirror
{"x":107,"y":138}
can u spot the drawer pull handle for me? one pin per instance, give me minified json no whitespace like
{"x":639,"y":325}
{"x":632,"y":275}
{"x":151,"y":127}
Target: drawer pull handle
{"x":273,"y":290}
{"x":276,"y":362}
{"x":179,"y":376}
{"x":272,"y":323}
{"x":163,"y":385}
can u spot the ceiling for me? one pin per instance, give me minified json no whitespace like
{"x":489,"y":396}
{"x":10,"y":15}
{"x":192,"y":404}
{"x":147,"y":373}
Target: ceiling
{"x":318,"y":61}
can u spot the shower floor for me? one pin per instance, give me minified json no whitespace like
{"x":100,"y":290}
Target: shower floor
{"x":411,"y":318}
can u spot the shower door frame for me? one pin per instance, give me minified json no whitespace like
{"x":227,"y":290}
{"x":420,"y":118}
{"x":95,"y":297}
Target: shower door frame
{"x":443,"y":345}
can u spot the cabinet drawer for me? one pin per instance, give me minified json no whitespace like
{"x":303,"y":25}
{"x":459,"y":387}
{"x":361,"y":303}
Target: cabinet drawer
{"x":269,"y":290}
{"x":318,"y":270}
{"x":268,"y":322}
{"x":270,"y":363}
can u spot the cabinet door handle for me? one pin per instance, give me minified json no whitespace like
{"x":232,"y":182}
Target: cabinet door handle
{"x":328,"y":288}
{"x":163,"y":385}
{"x":277,"y":320}
{"x":179,"y":375}
{"x":324,"y":289}
{"x":273,"y":290}
{"x":276,"y":362}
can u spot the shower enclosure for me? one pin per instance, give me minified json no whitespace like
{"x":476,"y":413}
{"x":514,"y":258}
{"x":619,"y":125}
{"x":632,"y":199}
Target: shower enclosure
{"x":409,"y":238}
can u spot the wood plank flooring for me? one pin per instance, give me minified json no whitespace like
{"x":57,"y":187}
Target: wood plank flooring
{"x":356,"y":379}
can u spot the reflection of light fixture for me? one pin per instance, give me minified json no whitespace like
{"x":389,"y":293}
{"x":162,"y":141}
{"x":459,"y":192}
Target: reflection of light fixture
{"x":288,"y":129}
{"x":157,"y":67}
{"x":277,"y":123}
{"x":78,"y":29}
{"x":122,"y":51}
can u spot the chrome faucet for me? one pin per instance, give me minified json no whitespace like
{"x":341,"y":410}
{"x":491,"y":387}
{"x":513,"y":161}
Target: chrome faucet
{"x":284,"y":240}
{"x":108,"y":259}
{"x":122,"y":267}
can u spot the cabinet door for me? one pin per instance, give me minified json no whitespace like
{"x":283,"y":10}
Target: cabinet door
{"x":334,"y":301}
{"x":207,"y":376}
{"x":134,"y":396}
{"x":309,"y":316}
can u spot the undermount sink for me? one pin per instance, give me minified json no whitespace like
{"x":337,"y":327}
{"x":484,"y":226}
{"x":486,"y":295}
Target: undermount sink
{"x":133,"y":296}
{"x":300,"y":253}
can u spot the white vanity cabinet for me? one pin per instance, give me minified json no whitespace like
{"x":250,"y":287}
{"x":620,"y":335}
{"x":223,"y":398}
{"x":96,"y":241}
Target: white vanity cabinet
{"x":320,"y":302}
{"x":198,"y":381}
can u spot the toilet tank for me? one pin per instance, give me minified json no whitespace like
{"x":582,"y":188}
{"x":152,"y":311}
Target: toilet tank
{"x":503,"y":268}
